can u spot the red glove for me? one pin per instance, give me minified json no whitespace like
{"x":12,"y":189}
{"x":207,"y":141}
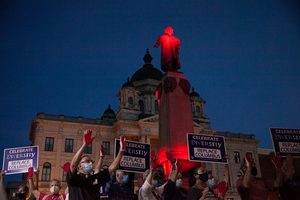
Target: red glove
{"x":223,"y":187}
{"x":276,"y":160}
{"x":169,"y":156}
{"x":122,"y":143}
{"x":178,"y":166}
{"x":67,"y":167}
{"x":154,"y":158}
{"x":87,"y":137}
{"x":249,"y":160}
{"x":30,"y":172}
{"x":102,"y":152}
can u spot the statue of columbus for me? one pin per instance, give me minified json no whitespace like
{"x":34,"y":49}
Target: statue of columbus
{"x":169,"y":50}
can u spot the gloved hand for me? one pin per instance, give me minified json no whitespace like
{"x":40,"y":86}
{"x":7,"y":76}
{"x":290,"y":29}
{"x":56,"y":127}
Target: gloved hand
{"x":154,"y":159}
{"x":178,"y":166}
{"x":87,"y":137}
{"x":30,"y":172}
{"x":169,"y":156}
{"x":276,"y":160}
{"x":223,"y":187}
{"x":122,"y":143}
{"x":249,"y":160}
{"x":102,"y":152}
{"x":67,"y":167}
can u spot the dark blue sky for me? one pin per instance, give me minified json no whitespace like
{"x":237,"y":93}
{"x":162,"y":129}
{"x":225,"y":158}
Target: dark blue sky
{"x":72,"y":57}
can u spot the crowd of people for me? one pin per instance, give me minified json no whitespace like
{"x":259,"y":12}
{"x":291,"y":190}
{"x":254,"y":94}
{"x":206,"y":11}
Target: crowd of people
{"x":84,"y":181}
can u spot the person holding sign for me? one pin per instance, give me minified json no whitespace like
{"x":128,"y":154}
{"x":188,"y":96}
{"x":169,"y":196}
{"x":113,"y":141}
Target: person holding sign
{"x":251,"y":187}
{"x":22,"y":192}
{"x":149,"y":190}
{"x":55,"y":186}
{"x":82,"y":184}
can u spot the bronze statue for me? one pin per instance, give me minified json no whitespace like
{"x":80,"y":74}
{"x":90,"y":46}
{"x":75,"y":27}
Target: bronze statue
{"x":169,"y":50}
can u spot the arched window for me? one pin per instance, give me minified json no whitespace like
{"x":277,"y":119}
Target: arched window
{"x":197,"y":109}
{"x":156,"y":105}
{"x":141,"y":103}
{"x":46,"y":172}
{"x":130,"y":100}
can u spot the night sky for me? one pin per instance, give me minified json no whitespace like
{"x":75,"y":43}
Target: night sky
{"x":72,"y":58}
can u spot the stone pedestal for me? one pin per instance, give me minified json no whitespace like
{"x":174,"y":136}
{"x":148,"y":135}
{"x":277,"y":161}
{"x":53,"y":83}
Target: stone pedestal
{"x":175,"y":118}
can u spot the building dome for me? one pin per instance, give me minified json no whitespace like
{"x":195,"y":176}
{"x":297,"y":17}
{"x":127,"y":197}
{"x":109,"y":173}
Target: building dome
{"x":128,"y":85}
{"x":148,"y":71}
{"x":194,"y":94}
{"x":108,"y":114}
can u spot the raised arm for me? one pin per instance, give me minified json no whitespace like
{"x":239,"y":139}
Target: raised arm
{"x":2,"y":179}
{"x":114,"y":166}
{"x":76,"y":159}
{"x":289,"y":171}
{"x":32,"y":188}
{"x":36,"y":174}
{"x":277,"y":162}
{"x":100,"y":161}
{"x":247,"y":178}
{"x":177,"y":168}
{"x":153,"y":167}
{"x":2,"y":191}
{"x":227,"y":174}
{"x":223,"y":185}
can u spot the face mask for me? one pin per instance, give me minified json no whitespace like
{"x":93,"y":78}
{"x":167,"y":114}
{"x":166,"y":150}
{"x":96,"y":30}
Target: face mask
{"x":211,"y":182}
{"x":203,"y":177}
{"x":154,"y":183}
{"x":54,"y":189}
{"x":125,"y":179}
{"x":162,"y":175}
{"x":21,"y":195}
{"x":254,"y":171}
{"x":88,"y":167}
{"x":178,"y":183}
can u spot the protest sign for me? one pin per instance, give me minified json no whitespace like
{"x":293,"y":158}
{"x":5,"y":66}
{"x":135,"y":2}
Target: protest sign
{"x":206,"y":148}
{"x":136,"y":157}
{"x":286,"y":141}
{"x":18,"y":160}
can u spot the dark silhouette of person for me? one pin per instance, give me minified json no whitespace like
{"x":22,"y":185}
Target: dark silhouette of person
{"x":169,"y":50}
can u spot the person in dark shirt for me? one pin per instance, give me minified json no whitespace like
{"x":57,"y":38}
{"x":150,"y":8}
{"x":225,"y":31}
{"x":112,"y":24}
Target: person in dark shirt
{"x":251,"y":187}
{"x":291,"y":185}
{"x":173,"y":190}
{"x":197,"y":181}
{"x":82,"y":185}
{"x":118,"y":190}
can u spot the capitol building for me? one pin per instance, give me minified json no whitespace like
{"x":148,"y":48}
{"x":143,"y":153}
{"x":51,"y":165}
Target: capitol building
{"x":59,"y":136}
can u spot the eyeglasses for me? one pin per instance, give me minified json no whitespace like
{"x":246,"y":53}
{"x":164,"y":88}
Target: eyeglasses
{"x":87,"y":161}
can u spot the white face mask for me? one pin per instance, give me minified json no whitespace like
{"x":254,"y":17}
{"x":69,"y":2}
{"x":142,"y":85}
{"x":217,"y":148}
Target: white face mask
{"x":54,"y":189}
{"x":211,"y":182}
{"x":178,"y":183}
{"x":88,"y":167}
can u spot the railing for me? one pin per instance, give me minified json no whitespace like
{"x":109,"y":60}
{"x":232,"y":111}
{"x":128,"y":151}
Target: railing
{"x":236,"y":135}
{"x":70,"y":119}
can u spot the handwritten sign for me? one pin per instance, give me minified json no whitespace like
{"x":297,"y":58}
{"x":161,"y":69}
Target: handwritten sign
{"x":206,"y":148}
{"x":136,"y":157}
{"x":286,"y":141}
{"x":18,"y":160}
